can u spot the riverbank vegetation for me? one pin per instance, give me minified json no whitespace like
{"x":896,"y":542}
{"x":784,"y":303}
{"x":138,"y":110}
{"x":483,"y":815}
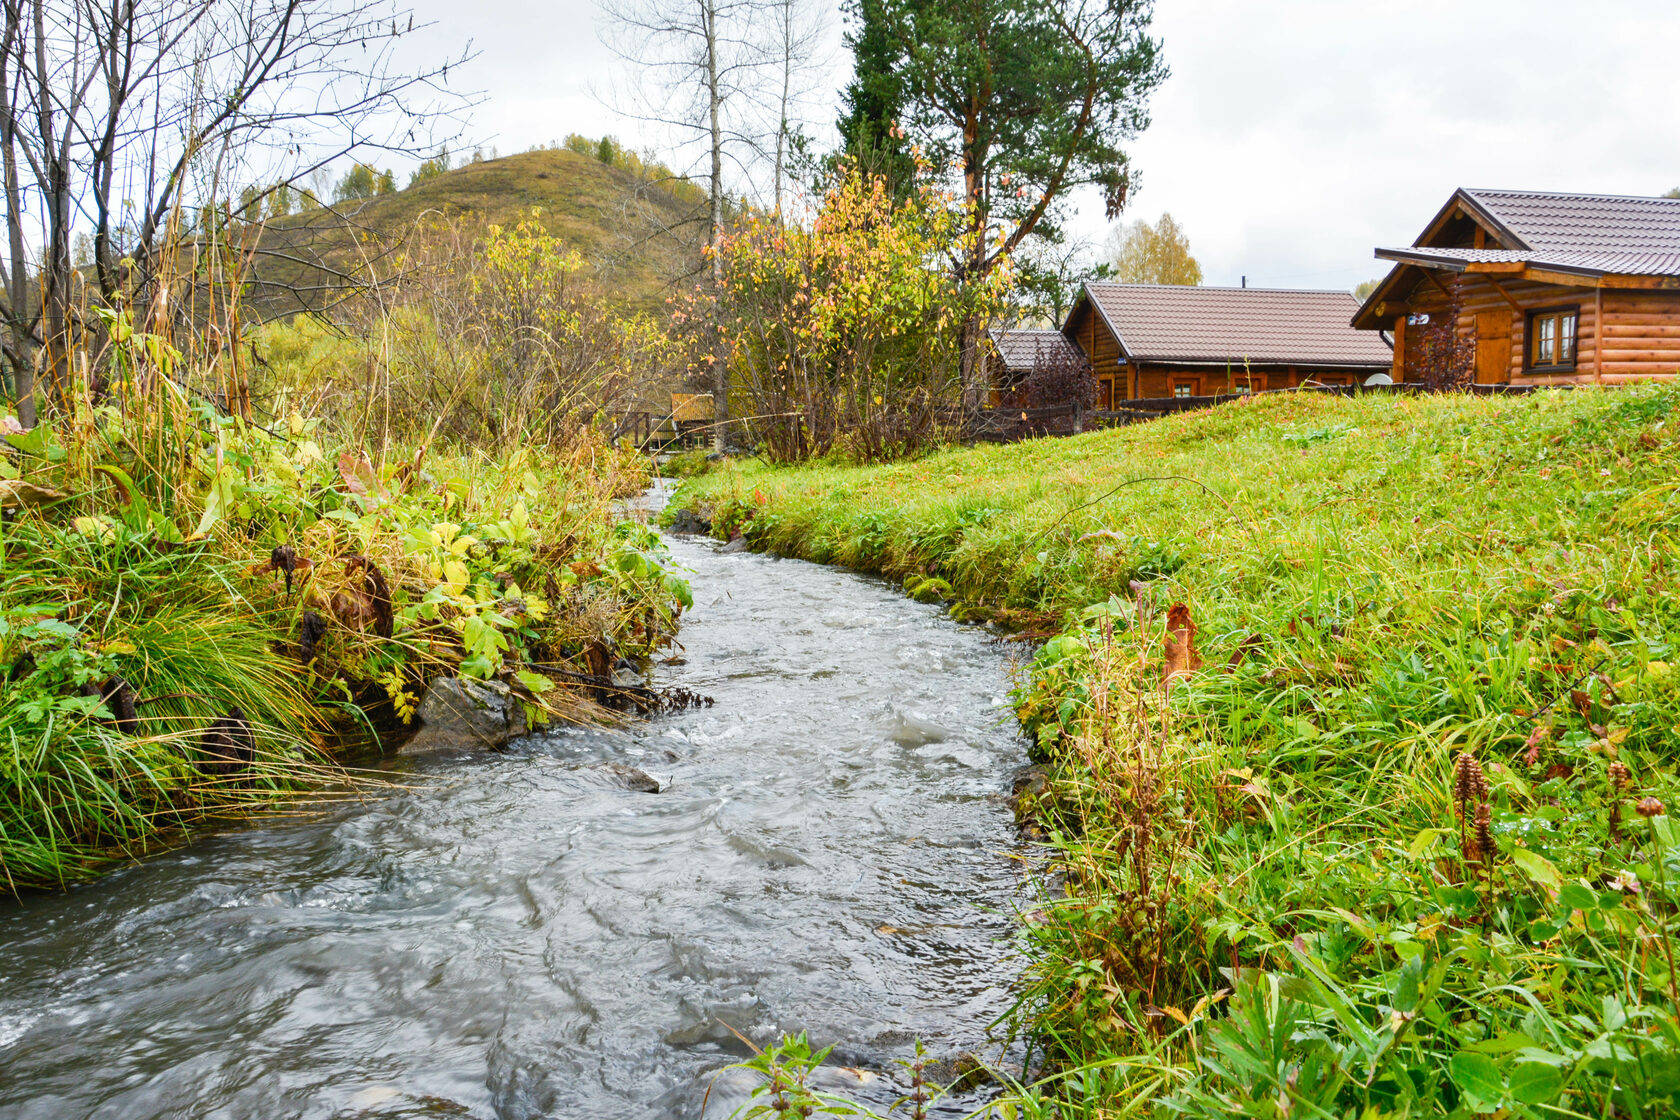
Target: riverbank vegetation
{"x":477,"y":335}
{"x":194,"y":605}
{"x":1359,"y":719}
{"x":222,"y":566}
{"x":837,"y":336}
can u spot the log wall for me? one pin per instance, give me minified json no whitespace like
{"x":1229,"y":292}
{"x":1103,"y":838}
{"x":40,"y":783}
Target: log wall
{"x":1640,"y":333}
{"x":1103,"y":352}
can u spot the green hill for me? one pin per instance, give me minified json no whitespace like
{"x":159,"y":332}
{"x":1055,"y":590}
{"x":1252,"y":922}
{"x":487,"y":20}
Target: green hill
{"x":640,"y":234}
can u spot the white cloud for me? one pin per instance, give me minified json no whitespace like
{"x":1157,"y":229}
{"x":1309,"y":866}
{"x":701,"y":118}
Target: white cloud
{"x":1293,"y":137}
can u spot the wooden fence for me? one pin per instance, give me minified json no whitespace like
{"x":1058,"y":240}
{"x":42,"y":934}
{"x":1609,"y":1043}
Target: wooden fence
{"x":1006,"y":425}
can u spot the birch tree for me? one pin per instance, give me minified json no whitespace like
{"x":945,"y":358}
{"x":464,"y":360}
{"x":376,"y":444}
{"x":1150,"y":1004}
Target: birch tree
{"x":128,"y":118}
{"x":1153,"y":254}
{"x":797,"y":31}
{"x":697,"y":65}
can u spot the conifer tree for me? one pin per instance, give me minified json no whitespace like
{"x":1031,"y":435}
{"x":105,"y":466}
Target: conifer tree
{"x":1025,"y":100}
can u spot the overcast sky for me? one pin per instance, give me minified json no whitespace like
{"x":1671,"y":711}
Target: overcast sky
{"x":1293,"y":136}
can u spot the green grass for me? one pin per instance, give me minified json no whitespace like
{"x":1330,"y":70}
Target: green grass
{"x":78,"y":791}
{"x":1271,"y":909}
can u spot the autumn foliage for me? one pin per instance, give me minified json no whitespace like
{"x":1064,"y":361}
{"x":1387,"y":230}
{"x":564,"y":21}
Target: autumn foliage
{"x":842,"y":333}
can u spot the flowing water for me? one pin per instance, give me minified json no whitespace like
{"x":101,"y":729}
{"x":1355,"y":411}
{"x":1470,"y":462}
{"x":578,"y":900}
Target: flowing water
{"x":525,"y":936}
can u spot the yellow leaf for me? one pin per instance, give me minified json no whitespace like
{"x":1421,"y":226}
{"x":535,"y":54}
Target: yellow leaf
{"x":95,"y":528}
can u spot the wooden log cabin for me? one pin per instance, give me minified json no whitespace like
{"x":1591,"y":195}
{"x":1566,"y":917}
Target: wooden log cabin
{"x":1148,"y":341}
{"x":1013,"y":353}
{"x":1531,"y":288}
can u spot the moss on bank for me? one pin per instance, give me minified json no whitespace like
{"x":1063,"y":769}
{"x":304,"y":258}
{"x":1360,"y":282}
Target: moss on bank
{"x":1396,"y":841}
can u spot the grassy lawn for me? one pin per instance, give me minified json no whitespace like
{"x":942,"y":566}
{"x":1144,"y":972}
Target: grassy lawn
{"x":1360,"y":724}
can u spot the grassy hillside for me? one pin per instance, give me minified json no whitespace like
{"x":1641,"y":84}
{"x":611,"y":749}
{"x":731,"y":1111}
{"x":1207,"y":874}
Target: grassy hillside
{"x":631,"y":231}
{"x":1360,"y":729}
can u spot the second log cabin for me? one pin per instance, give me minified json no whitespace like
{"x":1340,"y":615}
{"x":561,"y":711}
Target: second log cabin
{"x":1150,"y":341}
{"x":1535,"y":288}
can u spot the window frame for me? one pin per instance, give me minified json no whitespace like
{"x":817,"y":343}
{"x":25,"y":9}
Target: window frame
{"x":1184,"y":381}
{"x":1531,"y":338}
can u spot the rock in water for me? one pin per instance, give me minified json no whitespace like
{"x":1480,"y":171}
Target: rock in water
{"x":687,"y":521}
{"x":911,"y":730}
{"x":739,"y":544}
{"x":637,"y":781}
{"x":461,"y":714}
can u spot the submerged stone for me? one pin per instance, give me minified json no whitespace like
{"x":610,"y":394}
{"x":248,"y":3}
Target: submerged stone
{"x":687,"y":521}
{"x":635,"y":780}
{"x":459,"y":714}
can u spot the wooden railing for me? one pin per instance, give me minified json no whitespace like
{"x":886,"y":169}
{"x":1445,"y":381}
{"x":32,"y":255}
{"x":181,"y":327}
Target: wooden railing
{"x":1005,"y":425}
{"x":654,"y":432}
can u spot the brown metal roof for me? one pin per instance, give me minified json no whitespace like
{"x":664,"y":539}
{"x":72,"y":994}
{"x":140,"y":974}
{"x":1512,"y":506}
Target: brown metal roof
{"x":1169,"y":323}
{"x":1550,"y":223}
{"x":1591,"y":235}
{"x":1019,"y":348}
{"x":1588,"y":263}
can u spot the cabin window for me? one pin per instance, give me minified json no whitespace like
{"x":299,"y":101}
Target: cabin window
{"x":1551,"y":339}
{"x":1184,"y":386}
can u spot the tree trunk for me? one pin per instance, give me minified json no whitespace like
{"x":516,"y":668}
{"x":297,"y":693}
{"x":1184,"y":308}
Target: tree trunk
{"x":786,"y":12}
{"x":714,"y":94}
{"x":20,"y":351}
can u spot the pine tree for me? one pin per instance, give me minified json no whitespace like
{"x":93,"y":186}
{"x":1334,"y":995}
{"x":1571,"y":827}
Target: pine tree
{"x":1028,"y":100}
{"x":869,"y":130}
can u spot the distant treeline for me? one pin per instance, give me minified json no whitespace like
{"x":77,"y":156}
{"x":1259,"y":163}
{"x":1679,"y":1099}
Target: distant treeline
{"x":614,"y":154}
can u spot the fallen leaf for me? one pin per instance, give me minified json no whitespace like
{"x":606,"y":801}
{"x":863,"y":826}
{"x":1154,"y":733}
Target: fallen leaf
{"x":359,"y":476}
{"x":15,"y":493}
{"x":1182,"y":658}
{"x":366,"y":600}
{"x":1251,"y":642}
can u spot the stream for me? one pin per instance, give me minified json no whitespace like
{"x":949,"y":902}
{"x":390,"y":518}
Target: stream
{"x":522,"y":935}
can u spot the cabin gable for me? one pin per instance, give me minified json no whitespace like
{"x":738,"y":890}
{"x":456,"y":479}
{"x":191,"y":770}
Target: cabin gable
{"x":1562,"y":289}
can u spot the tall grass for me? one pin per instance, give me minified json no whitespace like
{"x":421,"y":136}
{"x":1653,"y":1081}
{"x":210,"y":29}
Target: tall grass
{"x":1377,"y":587}
{"x":193,"y":597}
